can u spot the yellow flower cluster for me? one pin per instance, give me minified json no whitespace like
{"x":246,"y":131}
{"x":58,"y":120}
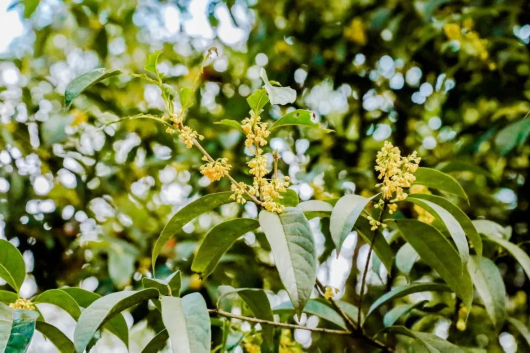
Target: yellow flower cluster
{"x":330,"y":292}
{"x":256,"y":131}
{"x":471,"y":42}
{"x":22,"y":304}
{"x":396,"y":173}
{"x":187,"y":134}
{"x":375,"y":223}
{"x":287,"y":345}
{"x":252,"y":344}
{"x":215,"y":170}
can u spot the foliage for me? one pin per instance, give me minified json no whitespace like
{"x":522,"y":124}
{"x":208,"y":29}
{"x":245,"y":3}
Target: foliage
{"x":179,"y":181}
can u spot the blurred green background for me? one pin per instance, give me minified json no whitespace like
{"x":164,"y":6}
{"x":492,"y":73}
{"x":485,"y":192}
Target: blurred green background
{"x":84,"y":202}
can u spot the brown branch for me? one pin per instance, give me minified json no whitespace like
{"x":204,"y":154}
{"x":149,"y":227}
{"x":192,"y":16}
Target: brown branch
{"x":277,"y":324}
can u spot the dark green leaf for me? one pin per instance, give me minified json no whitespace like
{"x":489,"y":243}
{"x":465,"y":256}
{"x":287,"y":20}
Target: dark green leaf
{"x":490,"y":286}
{"x":438,"y":180}
{"x":289,"y":198}
{"x":102,"y":310}
{"x":318,"y":308}
{"x":258,"y":100}
{"x":81,"y":83}
{"x":293,"y":247}
{"x":22,"y":330}
{"x":401,"y":310}
{"x":464,"y":221}
{"x":187,"y":322}
{"x":297,"y":117}
{"x":6,"y":322}
{"x":7,"y":297}
{"x":186,"y":215}
{"x":157,"y":343}
{"x":59,"y":339}
{"x":231,"y":123}
{"x":61,"y":299}
{"x":344,"y":215}
{"x":218,"y":240}
{"x":431,"y":342}
{"x":513,"y":135}
{"x":402,"y":291}
{"x":519,"y":254}
{"x":12,"y":267}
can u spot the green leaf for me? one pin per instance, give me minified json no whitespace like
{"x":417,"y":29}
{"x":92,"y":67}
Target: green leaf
{"x":289,"y":198}
{"x":157,"y":284}
{"x":61,"y":299}
{"x":490,"y":286}
{"x":218,"y":240}
{"x":459,"y":166}
{"x":6,"y":322}
{"x":406,"y":257}
{"x":436,"y":251}
{"x":431,"y":342}
{"x":432,"y":205}
{"x":277,"y":95}
{"x":513,"y":135}
{"x":152,"y":61}
{"x":7,"y":297}
{"x":22,"y":330}
{"x":401,"y":310}
{"x":259,"y":304}
{"x":492,"y":229}
{"x":231,"y":123}
{"x":170,"y":286}
{"x":186,"y":215}
{"x":519,"y":254}
{"x":188,"y":323}
{"x":117,"y":325}
{"x":381,"y":247}
{"x":186,"y":97}
{"x":59,"y":339}
{"x":315,"y":307}
{"x":435,"y":179}
{"x":350,"y":309}
{"x":102,"y":310}
{"x":12,"y":267}
{"x":297,"y":117}
{"x":344,"y":215}
{"x":523,"y":330}
{"x":158,"y":342}
{"x":402,"y":291}
{"x":315,"y":208}
{"x":293,"y":247}
{"x":467,"y":225}
{"x":258,"y":100}
{"x":81,"y":83}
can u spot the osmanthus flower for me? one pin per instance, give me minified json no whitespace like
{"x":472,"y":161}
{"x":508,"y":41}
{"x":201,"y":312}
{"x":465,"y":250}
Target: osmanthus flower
{"x":22,"y":304}
{"x":215,"y":170}
{"x":188,"y":136}
{"x":330,"y":292}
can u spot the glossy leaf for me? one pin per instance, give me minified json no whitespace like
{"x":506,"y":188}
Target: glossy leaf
{"x":315,"y":208}
{"x":350,"y":309}
{"x":293,"y":247}
{"x":402,"y":291}
{"x":438,"y":180}
{"x":399,"y":311}
{"x":406,"y":257}
{"x":315,"y":307}
{"x":157,"y":343}
{"x":258,"y":100}
{"x":218,"y":240}
{"x":7,"y":297}
{"x":492,"y":229}
{"x":298,"y":117}
{"x":490,"y":287}
{"x":188,"y":323}
{"x":152,"y":61}
{"x":115,"y":325}
{"x":59,"y":339}
{"x":451,"y":224}
{"x":231,"y":123}
{"x":519,"y":254}
{"x":381,"y":247}
{"x":186,"y":215}
{"x":467,"y":225}
{"x":12,"y":267}
{"x":278,"y":95}
{"x":62,"y":300}
{"x":523,"y":330}
{"x":6,"y":322}
{"x":259,"y":304}
{"x":81,"y":83}
{"x":436,"y":251}
{"x":103,"y":309}
{"x":22,"y":330}
{"x":344,"y":215}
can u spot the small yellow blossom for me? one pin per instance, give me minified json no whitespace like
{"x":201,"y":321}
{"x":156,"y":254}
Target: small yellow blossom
{"x":330,"y":292}
{"x":238,"y":192}
{"x":216,"y":170}
{"x":256,"y":131}
{"x":452,"y":31}
{"x":22,"y":304}
{"x":356,"y":32}
{"x":287,"y":345}
{"x":188,"y":136}
{"x":252,"y":344}
{"x":375,"y":223}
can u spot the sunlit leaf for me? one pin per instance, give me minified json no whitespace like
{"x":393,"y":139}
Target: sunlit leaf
{"x":218,"y":240}
{"x":60,"y":299}
{"x":399,"y":311}
{"x":232,"y":123}
{"x":438,"y":180}
{"x":186,"y":97}
{"x":152,"y":61}
{"x":278,"y":95}
{"x":187,"y":322}
{"x":293,"y":247}
{"x":81,"y":83}
{"x":297,"y":117}
{"x":6,"y":321}
{"x":12,"y":267}
{"x":258,"y":100}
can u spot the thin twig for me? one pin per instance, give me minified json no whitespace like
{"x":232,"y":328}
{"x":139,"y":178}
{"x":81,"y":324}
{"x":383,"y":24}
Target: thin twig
{"x":366,"y":267}
{"x":277,"y":324}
